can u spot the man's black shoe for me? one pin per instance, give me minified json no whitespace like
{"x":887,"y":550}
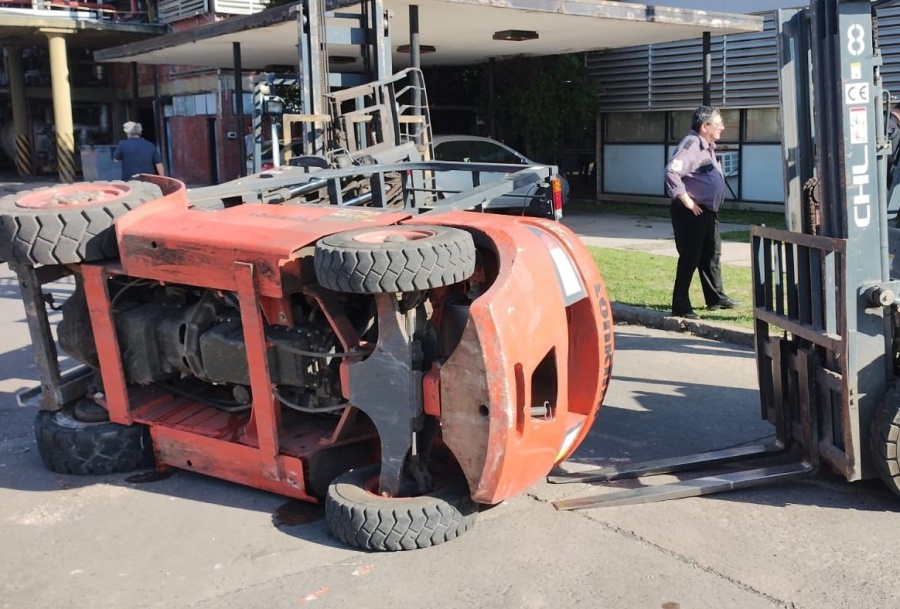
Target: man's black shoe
{"x":725,"y":303}
{"x":688,"y":315}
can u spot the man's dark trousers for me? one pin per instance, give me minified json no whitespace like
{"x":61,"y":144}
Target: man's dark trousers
{"x":699,"y":248}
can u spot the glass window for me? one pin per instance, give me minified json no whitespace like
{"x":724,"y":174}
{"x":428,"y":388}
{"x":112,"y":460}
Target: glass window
{"x":681,"y":125}
{"x":732,"y":120}
{"x":452,"y":151}
{"x":489,"y":152}
{"x":763,"y":125}
{"x":635,"y":127}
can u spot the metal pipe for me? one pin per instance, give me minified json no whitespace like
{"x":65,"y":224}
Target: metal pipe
{"x":707,"y":69}
{"x":239,"y":105}
{"x":135,"y":95}
{"x":415,"y":60}
{"x":492,"y":64}
{"x":161,"y":141}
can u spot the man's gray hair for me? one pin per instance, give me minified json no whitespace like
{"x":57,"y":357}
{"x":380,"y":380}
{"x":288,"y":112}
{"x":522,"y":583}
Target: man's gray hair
{"x":132,"y":128}
{"x":701,"y":115}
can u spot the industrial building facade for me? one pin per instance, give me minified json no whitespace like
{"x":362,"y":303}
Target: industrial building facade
{"x":647,"y":95}
{"x":62,"y":111}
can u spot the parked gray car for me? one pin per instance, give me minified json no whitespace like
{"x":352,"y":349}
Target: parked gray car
{"x":534,"y":199}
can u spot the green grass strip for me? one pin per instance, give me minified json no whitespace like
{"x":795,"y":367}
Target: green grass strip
{"x":645,"y":280}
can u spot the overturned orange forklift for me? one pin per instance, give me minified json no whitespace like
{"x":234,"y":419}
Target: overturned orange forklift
{"x":335,"y":331}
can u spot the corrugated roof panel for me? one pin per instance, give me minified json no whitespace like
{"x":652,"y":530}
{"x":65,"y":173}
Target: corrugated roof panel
{"x":744,"y":73}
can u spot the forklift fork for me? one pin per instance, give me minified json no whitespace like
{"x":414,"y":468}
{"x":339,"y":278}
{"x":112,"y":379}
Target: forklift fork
{"x":796,"y":445}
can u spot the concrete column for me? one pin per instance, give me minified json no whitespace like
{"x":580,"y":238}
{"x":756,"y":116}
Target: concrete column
{"x":62,"y":105}
{"x":24,"y":145}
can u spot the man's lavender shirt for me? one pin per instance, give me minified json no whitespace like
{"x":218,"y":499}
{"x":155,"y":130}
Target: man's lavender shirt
{"x":695,"y":170}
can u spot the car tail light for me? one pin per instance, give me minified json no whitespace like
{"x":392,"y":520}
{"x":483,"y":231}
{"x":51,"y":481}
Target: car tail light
{"x":556,"y":191}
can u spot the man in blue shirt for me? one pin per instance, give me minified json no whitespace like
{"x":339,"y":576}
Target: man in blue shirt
{"x":695,"y":182}
{"x":136,"y":154}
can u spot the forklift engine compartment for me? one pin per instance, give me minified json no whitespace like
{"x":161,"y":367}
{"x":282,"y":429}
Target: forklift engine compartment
{"x":295,"y":347}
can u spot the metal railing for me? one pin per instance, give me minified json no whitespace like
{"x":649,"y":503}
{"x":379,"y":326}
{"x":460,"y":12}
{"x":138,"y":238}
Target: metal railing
{"x":112,"y":10}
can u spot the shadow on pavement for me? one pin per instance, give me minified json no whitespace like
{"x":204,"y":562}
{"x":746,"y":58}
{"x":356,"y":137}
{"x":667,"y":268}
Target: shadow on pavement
{"x":657,"y":414}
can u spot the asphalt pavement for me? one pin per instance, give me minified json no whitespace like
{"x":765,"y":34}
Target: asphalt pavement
{"x":650,"y":235}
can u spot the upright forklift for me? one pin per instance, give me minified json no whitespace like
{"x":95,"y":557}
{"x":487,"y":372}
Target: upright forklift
{"x":824,"y":300}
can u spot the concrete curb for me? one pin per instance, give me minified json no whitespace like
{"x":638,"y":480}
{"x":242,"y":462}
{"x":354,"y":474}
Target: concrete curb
{"x":661,"y":321}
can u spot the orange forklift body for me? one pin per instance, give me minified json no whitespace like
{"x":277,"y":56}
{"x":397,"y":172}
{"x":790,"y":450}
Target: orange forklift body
{"x":517,"y":395}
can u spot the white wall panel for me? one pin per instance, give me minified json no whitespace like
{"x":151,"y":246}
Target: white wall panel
{"x":761,"y":173}
{"x":634,"y":169}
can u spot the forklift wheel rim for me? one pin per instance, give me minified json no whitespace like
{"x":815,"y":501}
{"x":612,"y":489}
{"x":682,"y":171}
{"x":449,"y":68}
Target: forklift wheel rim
{"x":389,"y":235}
{"x":371,"y":487}
{"x":98,"y":192}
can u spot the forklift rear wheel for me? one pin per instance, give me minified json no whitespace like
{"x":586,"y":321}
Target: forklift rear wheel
{"x":70,"y":446}
{"x":67,"y":224}
{"x":391,"y":259}
{"x":884,"y":438}
{"x":358,"y":517}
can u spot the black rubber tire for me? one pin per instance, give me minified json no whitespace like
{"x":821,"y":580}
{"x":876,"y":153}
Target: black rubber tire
{"x":361,"y":519}
{"x":444,"y":257}
{"x":68,"y":446}
{"x":66,"y":234}
{"x":884,"y":438}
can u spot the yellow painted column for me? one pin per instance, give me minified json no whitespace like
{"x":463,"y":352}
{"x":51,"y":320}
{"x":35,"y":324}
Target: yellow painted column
{"x":24,"y":145}
{"x":62,"y":104}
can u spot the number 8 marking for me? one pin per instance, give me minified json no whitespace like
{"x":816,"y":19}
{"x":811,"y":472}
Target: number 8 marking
{"x":856,"y":43}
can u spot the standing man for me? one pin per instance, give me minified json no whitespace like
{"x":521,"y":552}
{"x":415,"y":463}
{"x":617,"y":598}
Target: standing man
{"x":695,"y":181}
{"x":136,"y":154}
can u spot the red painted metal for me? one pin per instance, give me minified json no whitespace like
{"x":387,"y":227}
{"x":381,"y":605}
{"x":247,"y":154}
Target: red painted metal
{"x":394,"y":234}
{"x":431,"y":391}
{"x":514,"y":326}
{"x":266,"y":414}
{"x":74,"y":195}
{"x":174,"y":246}
{"x":111,"y":370}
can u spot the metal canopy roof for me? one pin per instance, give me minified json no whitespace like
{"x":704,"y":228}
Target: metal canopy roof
{"x":460,"y":30}
{"x":20,"y":27}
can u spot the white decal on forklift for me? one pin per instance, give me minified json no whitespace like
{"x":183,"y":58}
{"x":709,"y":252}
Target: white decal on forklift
{"x":856,"y":42}
{"x":570,"y":281}
{"x":862,"y":214}
{"x":856,"y":93}
{"x":859,"y":126}
{"x":570,"y":438}
{"x":855,"y":71}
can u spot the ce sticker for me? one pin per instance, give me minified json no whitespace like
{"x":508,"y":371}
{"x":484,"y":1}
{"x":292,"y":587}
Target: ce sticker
{"x":856,"y":93}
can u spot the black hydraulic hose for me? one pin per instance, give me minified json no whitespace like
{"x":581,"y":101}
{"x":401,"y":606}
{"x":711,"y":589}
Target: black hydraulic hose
{"x":306,"y":409}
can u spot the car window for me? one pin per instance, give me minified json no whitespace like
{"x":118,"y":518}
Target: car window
{"x":454,"y":150}
{"x":489,"y":152}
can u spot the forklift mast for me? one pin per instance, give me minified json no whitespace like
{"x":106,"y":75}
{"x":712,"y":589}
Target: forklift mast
{"x":365,"y":32}
{"x":822,"y":289}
